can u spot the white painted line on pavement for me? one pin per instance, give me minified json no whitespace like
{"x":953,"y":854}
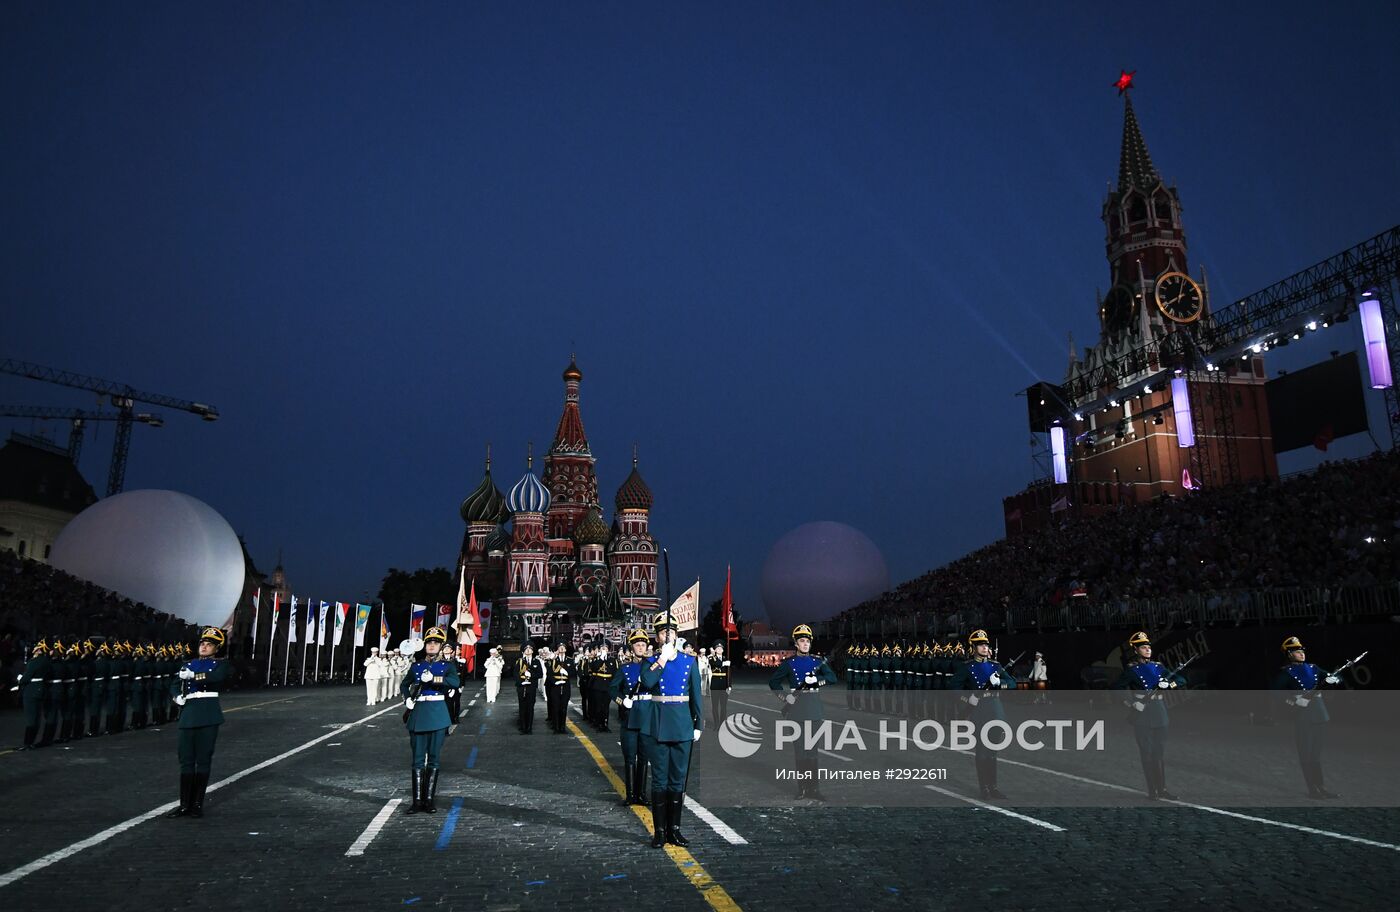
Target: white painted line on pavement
{"x":39,"y":864}
{"x":725,"y":831}
{"x":1000,"y":810}
{"x":359,"y":845}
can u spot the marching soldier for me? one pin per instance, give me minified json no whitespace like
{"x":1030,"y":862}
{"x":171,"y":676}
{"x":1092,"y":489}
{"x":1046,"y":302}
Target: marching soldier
{"x":424,"y":689}
{"x":604,"y":667}
{"x":57,"y":706}
{"x":1305,"y":681}
{"x":34,"y":691}
{"x":805,"y":674}
{"x":454,"y":694}
{"x":72,"y":693}
{"x":116,"y":687}
{"x":198,"y":694}
{"x":985,"y":677}
{"x":625,"y":691}
{"x":527,"y":679}
{"x":556,"y":695}
{"x":721,"y":682}
{"x":140,"y":668}
{"x":1149,"y":712}
{"x":97,"y":697}
{"x":670,"y":726}
{"x":156,"y":685}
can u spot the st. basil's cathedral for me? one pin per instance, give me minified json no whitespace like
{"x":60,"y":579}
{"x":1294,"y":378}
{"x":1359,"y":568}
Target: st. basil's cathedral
{"x":560,"y":567}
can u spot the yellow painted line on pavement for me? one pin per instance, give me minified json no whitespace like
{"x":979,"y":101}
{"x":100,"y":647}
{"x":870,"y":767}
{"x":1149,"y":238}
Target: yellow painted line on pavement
{"x":709,"y":888}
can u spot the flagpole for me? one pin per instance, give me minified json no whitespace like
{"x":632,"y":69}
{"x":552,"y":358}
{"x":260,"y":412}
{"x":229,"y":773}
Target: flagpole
{"x":272,"y":635}
{"x":257,"y":598}
{"x":318,"y":654}
{"x":287,"y":649}
{"x":305,"y":643}
{"x":666,"y":561}
{"x":335,"y":635}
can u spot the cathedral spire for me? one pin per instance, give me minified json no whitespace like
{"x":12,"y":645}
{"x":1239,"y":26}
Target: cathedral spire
{"x":1135,"y":167}
{"x":569,"y":437}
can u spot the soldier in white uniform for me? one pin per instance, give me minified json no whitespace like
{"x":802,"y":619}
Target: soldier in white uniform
{"x":494,"y":666}
{"x":374,"y":672}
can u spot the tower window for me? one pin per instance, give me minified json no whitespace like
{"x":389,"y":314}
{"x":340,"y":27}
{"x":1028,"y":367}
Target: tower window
{"x":1164,"y":210}
{"x":1137,"y":210}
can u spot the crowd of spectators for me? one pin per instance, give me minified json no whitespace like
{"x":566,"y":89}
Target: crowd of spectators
{"x":37,"y":600}
{"x":1337,"y":526}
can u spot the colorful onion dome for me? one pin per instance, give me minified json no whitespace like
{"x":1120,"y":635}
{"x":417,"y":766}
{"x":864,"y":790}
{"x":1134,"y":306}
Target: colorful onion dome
{"x":634,"y":493}
{"x":498,"y":542}
{"x":592,"y":530}
{"x":528,"y":495}
{"x":486,"y":503}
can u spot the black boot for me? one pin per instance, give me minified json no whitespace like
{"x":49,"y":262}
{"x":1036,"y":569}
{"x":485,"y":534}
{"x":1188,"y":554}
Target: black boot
{"x":94,"y":726}
{"x":1162,"y":782}
{"x":629,"y":779}
{"x":201,"y":782}
{"x":417,"y":789}
{"x":639,"y":784}
{"x":186,"y":793}
{"x":29,"y":732}
{"x":1317,"y":778}
{"x":48,"y":734}
{"x":430,"y":791}
{"x":660,"y":812}
{"x":673,"y":829}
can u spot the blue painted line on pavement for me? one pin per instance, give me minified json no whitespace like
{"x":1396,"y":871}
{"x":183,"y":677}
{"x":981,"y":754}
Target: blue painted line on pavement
{"x":615,"y":877}
{"x":482,"y":729}
{"x":535,"y":883}
{"x":449,"y":825}
{"x":471,"y":759}
{"x":411,"y":900}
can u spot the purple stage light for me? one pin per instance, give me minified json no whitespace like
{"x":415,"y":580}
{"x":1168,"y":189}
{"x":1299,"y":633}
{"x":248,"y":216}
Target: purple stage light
{"x":1181,"y":407}
{"x":1373,"y":329}
{"x":1057,"y":453}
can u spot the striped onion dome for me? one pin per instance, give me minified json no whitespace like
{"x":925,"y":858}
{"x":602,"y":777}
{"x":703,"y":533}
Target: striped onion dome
{"x":592,"y":530}
{"x":528,"y":495}
{"x":498,"y":542}
{"x":634,"y":493}
{"x":485,"y":503}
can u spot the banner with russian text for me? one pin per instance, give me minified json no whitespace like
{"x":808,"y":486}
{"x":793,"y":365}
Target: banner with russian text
{"x":686,"y":609}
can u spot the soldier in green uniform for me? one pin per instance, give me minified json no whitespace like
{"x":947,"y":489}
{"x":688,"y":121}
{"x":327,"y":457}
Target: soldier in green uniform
{"x":721,"y":682}
{"x":984,"y":677}
{"x":671,"y":723}
{"x":80,"y":663}
{"x":625,"y":691}
{"x":116,"y":687}
{"x":603,"y":670}
{"x":198,"y":694}
{"x":1148,"y":712}
{"x":157,"y":686}
{"x":424,"y":688}
{"x":97,"y":696}
{"x":34,"y":691}
{"x":1304,"y":681}
{"x":136,"y":686}
{"x":57,"y":706}
{"x":804,"y":674}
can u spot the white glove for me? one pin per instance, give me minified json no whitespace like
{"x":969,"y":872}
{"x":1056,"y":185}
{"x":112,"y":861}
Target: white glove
{"x":452,"y":693}
{"x":668,"y":652}
{"x":1300,"y":702}
{"x":698,"y":733}
{"x":995,"y":679}
{"x":790,"y":698}
{"x":179,"y":700}
{"x":810,"y":679}
{"x":187,"y":673}
{"x":1332,"y":679}
{"x":426,"y":677}
{"x":627,"y":702}
{"x":1164,"y":685}
{"x":1139,"y":705}
{"x":725,"y":664}
{"x":409,"y":704}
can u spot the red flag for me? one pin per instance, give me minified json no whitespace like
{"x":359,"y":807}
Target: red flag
{"x":469,"y":651}
{"x":727,"y":606}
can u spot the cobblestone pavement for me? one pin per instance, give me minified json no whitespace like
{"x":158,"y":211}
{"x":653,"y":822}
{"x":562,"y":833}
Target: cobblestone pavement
{"x":533,"y":822}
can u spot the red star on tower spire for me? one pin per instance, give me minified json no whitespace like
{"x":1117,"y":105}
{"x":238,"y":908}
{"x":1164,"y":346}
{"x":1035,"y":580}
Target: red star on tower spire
{"x":1124,"y":82}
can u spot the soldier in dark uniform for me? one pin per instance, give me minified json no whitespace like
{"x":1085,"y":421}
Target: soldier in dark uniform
{"x":1310,"y":716}
{"x":556,"y":697}
{"x":140,"y":668}
{"x":72,"y":691}
{"x":453,"y":700}
{"x":198,"y":693}
{"x":34,"y":691}
{"x":159,"y":685}
{"x":985,"y":678}
{"x":424,"y":688}
{"x":625,"y":691}
{"x":604,"y":667}
{"x":57,"y":706}
{"x":116,"y":687}
{"x":97,"y":697}
{"x":671,"y":723}
{"x":721,"y":682}
{"x":1148,"y":712}
{"x":804,"y":674}
{"x":527,"y":680}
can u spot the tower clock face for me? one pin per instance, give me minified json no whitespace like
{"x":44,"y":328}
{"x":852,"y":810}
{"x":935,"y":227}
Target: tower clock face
{"x":1179,"y":298}
{"x":1117,"y":308}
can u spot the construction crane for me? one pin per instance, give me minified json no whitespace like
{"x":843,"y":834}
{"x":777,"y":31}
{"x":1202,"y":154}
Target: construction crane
{"x":78,"y":418}
{"x":123,"y":398}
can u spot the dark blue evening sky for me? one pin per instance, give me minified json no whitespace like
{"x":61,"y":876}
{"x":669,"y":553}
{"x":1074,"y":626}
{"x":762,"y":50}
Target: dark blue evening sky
{"x":806,"y":253}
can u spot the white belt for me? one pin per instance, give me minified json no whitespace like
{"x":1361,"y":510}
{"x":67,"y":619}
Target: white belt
{"x":138,"y":677}
{"x":641,"y":696}
{"x":430,"y":698}
{"x":201,"y":694}
{"x":668,"y":699}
